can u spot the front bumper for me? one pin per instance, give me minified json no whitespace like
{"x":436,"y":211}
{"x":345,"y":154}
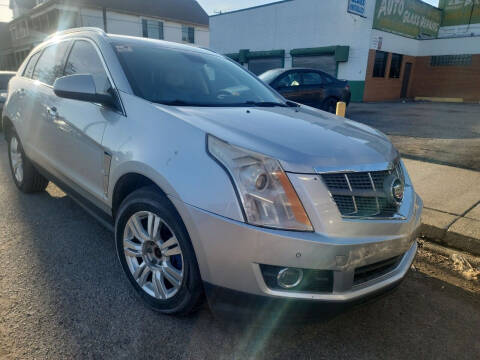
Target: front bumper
{"x":229,"y":255}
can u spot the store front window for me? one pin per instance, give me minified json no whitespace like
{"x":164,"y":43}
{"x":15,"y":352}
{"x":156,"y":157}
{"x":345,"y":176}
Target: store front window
{"x":380,"y":63}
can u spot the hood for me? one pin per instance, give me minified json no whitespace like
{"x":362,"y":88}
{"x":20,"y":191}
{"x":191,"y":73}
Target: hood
{"x":303,"y":139}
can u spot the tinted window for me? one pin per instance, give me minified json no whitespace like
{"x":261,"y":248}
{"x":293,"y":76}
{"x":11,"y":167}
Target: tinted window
{"x":4,"y":79}
{"x":84,"y":59}
{"x":50,"y":65}
{"x":396,"y":66}
{"x":312,"y":79}
{"x":187,"y":76}
{"x":289,"y":80}
{"x":380,"y":63}
{"x":31,"y":65}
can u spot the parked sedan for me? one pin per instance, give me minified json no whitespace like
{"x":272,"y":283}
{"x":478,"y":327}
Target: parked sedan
{"x":5,"y":77}
{"x":309,"y":86}
{"x":211,"y":182}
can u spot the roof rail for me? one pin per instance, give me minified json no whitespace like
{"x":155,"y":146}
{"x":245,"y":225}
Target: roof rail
{"x":74,"y":30}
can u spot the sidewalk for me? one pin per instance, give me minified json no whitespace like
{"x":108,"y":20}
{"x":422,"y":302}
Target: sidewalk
{"x":451,"y":199}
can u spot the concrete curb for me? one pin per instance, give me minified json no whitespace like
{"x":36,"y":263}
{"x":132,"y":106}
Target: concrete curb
{"x":452,"y":236}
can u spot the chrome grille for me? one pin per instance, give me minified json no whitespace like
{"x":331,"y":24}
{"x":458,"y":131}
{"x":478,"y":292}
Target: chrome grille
{"x":361,"y":194}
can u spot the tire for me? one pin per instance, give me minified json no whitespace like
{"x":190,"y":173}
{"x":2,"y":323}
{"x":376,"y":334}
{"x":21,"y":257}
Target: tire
{"x":330,"y":105}
{"x":168,"y":279}
{"x":26,"y":177}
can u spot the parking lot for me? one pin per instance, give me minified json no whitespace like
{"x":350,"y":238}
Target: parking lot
{"x":439,"y":132}
{"x":63,"y":295}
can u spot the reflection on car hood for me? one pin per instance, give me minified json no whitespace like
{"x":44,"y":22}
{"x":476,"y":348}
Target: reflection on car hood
{"x":302,"y":139}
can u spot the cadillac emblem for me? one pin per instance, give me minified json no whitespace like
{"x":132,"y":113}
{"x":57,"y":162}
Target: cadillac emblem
{"x":394,"y":188}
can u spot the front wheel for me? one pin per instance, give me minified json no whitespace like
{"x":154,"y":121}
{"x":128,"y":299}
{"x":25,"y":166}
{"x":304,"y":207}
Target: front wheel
{"x":156,"y":254}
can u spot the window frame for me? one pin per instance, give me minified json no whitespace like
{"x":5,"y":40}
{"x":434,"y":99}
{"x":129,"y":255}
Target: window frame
{"x":187,"y":28}
{"x":39,"y":53}
{"x":374,"y":72}
{"x":398,"y":72}
{"x":161,"y":28}
{"x":67,"y":51}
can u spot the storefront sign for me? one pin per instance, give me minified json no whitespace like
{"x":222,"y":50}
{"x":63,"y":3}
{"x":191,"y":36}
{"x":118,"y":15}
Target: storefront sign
{"x":460,"y":12}
{"x":411,"y":18}
{"x":357,"y":7}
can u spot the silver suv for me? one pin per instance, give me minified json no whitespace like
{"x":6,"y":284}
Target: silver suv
{"x":212,"y":182}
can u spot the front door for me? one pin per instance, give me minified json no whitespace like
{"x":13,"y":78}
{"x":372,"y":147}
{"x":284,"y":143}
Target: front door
{"x":406,"y":79}
{"x":80,"y":125}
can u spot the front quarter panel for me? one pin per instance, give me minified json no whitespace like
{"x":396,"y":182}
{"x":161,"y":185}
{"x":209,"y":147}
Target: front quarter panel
{"x":170,"y":152}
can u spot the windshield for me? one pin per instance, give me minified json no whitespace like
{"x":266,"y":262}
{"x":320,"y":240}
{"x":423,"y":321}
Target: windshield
{"x":270,"y":75}
{"x":175,"y":76}
{"x":4,"y":78}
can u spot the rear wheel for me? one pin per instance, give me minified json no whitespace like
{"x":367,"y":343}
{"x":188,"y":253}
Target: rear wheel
{"x":156,"y":254}
{"x":330,"y":105}
{"x":24,"y":174}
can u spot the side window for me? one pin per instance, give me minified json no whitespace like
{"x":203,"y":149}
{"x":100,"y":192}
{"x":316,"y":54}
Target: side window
{"x":327,"y":79}
{"x":289,"y":80}
{"x":31,"y":65}
{"x":84,"y":59}
{"x":50,"y":65}
{"x":312,"y":78}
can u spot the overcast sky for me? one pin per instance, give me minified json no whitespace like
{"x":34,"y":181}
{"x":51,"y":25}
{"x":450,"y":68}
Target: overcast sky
{"x":210,"y":6}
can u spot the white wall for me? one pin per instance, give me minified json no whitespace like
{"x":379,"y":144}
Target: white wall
{"x":297,"y":24}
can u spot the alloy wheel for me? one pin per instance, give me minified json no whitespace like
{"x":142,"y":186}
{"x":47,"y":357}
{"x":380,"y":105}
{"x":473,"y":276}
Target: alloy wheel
{"x":153,"y":255}
{"x":16,"y":159}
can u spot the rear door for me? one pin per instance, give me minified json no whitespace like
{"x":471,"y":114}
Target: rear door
{"x":313,"y":88}
{"x":42,"y":139}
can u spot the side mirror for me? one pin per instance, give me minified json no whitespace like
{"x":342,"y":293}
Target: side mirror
{"x":81,"y":87}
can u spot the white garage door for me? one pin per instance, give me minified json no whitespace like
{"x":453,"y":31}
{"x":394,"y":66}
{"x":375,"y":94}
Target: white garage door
{"x":325,"y":63}
{"x":259,"y":66}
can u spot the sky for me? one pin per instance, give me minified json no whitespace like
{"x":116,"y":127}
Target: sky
{"x":210,"y":6}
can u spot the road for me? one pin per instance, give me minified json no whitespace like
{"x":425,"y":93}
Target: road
{"x":444,"y":133}
{"x":63,"y":296}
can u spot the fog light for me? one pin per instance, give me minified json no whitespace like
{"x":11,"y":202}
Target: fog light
{"x":288,"y":278}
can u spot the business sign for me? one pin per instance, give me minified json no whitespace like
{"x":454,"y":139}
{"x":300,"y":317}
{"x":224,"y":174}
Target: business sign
{"x":357,"y":7}
{"x":460,"y":12}
{"x":411,"y":18}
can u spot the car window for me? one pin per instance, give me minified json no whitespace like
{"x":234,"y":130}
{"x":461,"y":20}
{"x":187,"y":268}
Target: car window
{"x":50,"y":65}
{"x":4,"y":79}
{"x":31,"y":65}
{"x":84,"y":59}
{"x":312,"y":78}
{"x":168,"y":75}
{"x":328,"y":79}
{"x":290,"y":80}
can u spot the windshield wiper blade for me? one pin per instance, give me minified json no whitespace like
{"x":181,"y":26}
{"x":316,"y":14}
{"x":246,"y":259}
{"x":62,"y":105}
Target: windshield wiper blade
{"x":176,"y":102}
{"x":265,"y":103}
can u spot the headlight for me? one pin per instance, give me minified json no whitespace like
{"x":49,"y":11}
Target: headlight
{"x":267,"y":196}
{"x":3,"y":95}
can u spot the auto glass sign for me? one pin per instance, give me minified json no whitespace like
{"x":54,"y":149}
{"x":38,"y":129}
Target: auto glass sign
{"x":411,"y":18}
{"x":357,"y":7}
{"x":460,"y":12}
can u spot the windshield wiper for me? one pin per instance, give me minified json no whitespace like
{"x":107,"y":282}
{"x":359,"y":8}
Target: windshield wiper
{"x":177,"y":102}
{"x":292,"y":104}
{"x":265,"y":103}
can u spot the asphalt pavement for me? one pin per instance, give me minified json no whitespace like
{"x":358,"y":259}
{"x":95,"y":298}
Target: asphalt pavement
{"x":63,"y":296}
{"x":444,"y":133}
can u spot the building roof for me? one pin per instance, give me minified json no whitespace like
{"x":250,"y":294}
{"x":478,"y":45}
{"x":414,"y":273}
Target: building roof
{"x":181,"y":10}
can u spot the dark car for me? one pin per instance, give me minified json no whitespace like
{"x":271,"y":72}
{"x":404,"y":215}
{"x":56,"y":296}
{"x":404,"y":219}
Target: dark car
{"x":309,"y":86}
{"x":5,"y":77}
